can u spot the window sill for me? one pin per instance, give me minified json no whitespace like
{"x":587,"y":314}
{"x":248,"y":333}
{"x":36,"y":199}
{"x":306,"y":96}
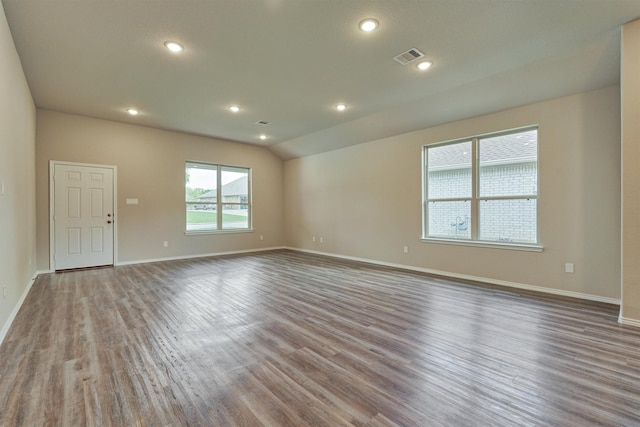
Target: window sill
{"x":236,"y":231}
{"x":492,"y":245}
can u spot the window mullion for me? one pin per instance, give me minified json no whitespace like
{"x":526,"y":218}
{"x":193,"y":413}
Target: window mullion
{"x":475,"y":222}
{"x":425,"y":192}
{"x":219,"y":197}
{"x":519,"y":197}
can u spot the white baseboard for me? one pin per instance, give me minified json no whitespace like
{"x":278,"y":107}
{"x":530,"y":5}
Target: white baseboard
{"x":627,"y":321}
{"x":505,"y":283}
{"x":5,"y":329}
{"x":244,"y":251}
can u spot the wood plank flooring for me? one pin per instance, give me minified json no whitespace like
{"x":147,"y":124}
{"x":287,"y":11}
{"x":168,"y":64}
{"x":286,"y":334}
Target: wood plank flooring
{"x":290,"y":339}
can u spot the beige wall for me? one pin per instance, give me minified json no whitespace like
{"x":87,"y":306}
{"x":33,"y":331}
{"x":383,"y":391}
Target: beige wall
{"x":150,"y":167}
{"x":630,"y":81}
{"x":17,"y":162}
{"x":365,"y":200}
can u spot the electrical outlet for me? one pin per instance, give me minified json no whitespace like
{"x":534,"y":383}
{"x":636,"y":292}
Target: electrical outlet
{"x":4,"y":292}
{"x":406,"y":249}
{"x":568,"y":267}
{"x":166,"y":244}
{"x":313,"y":239}
{"x":321,"y":239}
{"x":261,"y":237}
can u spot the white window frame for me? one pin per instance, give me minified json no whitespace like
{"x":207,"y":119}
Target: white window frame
{"x":475,"y":198}
{"x":219,"y":202}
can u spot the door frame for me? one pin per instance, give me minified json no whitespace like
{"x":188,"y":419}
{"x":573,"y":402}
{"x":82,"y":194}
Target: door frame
{"x":52,"y":168}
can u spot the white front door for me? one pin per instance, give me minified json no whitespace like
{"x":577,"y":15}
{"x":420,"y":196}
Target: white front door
{"x":83,"y":216}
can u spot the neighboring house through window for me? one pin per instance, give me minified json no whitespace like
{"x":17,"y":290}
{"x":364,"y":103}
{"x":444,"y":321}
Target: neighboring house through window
{"x":217,"y":197}
{"x":483,"y":188}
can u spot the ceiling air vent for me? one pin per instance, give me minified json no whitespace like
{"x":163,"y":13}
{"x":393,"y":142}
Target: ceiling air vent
{"x":262,"y":122}
{"x":409,"y":56}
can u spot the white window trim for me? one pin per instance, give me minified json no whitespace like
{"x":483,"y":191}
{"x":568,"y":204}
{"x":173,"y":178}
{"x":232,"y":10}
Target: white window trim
{"x":484,"y":244}
{"x":218,"y":168}
{"x":226,"y":231}
{"x":475,"y":199}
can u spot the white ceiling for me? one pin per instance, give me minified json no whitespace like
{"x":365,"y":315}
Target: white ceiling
{"x":290,"y":61}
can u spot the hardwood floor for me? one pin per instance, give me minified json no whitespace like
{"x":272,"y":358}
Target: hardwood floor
{"x":289,"y":339}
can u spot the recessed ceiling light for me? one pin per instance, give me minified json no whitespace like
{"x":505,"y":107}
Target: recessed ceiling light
{"x":263,"y":137}
{"x":424,"y":65}
{"x":174,"y":47}
{"x":368,"y":25}
{"x":133,"y":111}
{"x":234,"y":108}
{"x":340,"y":107}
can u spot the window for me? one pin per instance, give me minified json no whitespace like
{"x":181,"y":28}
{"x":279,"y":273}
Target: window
{"x":217,"y":197}
{"x":483,"y":188}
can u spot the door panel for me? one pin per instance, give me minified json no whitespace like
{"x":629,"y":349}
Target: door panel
{"x":97,"y":239}
{"x":73,"y":241}
{"x":73,"y":203}
{"x":82,"y":216}
{"x":96,"y":197}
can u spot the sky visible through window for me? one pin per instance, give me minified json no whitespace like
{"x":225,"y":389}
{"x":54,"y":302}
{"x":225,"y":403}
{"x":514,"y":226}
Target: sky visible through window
{"x":201,"y":178}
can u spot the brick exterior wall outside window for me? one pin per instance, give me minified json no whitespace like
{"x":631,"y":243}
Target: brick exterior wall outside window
{"x":450,"y":219}
{"x":507,"y":188}
{"x":500,"y":220}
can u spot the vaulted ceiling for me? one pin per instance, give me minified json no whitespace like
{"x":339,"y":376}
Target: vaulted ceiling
{"x":289,"y":62}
